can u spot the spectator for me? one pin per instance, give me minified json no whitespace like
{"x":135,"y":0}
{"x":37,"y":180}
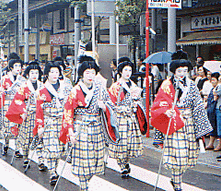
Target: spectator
{"x":211,"y":111}
{"x":199,"y":60}
{"x":207,"y":86}
{"x":217,"y":97}
{"x":68,"y":70}
{"x":141,"y":65}
{"x":200,"y":81}
{"x":156,"y":75}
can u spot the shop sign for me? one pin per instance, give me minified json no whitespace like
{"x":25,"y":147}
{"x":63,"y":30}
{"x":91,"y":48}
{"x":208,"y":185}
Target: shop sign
{"x":57,"y":39}
{"x":165,"y":4}
{"x":209,"y":21}
{"x":54,"y":54}
{"x":101,"y":7}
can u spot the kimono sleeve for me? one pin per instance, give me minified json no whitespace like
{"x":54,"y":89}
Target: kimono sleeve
{"x":114,"y":91}
{"x":39,"y":120}
{"x":17,"y":107}
{"x":67,"y":121}
{"x":164,"y":101}
{"x":201,"y":121}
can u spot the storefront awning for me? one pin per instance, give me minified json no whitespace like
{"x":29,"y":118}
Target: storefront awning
{"x":199,"y":38}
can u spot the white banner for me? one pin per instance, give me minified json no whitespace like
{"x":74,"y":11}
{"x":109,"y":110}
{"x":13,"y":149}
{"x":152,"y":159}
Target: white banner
{"x":207,"y":21}
{"x":176,"y":4}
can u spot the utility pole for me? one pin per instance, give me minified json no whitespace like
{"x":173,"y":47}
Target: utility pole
{"x":147,"y":70}
{"x":171,"y":44}
{"x":26,"y":31}
{"x":20,"y":25}
{"x":37,"y":40}
{"x":112,"y":30}
{"x":93,"y":28}
{"x":117,"y":35}
{"x":77,"y":37}
{"x":171,"y":30}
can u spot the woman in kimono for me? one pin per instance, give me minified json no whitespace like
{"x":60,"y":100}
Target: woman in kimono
{"x":23,"y":110}
{"x":60,"y":61}
{"x":189,"y":121}
{"x":126,"y":96}
{"x":10,"y":85}
{"x":82,"y":124}
{"x":49,"y":112}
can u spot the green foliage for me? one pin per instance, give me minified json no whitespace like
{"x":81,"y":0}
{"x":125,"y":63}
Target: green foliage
{"x":129,"y":11}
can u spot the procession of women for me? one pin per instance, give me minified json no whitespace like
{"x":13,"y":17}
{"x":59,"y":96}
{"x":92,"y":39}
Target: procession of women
{"x":46,"y":112}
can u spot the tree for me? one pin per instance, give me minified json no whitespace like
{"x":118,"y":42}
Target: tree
{"x":129,"y":12}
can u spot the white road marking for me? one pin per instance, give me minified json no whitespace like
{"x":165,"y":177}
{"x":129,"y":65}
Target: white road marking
{"x":97,"y":183}
{"x":13,"y":180}
{"x":150,"y":177}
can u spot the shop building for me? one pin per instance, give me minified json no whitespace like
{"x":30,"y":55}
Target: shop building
{"x":201,"y":30}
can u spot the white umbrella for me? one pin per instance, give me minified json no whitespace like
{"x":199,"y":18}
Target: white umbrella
{"x":213,"y":66}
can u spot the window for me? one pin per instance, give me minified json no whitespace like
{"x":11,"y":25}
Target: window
{"x":62,"y":19}
{"x":72,"y":12}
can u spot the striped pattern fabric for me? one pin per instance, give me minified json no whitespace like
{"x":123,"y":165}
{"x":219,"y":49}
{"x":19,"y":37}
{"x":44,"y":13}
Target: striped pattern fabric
{"x":181,"y":148}
{"x":130,"y":144}
{"x":7,"y":124}
{"x":88,"y":152}
{"x":26,"y":131}
{"x":52,"y":120}
{"x":53,"y":147}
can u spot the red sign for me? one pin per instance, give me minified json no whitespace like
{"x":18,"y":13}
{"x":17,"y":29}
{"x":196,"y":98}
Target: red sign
{"x":57,"y":39}
{"x":54,"y":54}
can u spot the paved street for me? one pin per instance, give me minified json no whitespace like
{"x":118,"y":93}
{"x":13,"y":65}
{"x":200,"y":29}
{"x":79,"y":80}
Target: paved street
{"x":205,"y":176}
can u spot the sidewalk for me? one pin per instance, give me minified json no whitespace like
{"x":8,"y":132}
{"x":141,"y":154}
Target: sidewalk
{"x":206,"y":162}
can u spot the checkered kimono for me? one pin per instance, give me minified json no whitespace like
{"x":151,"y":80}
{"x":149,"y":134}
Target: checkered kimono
{"x":49,"y":114}
{"x":130,"y":144}
{"x":82,"y":113}
{"x":181,"y":148}
{"x":24,"y":102}
{"x":11,"y":87}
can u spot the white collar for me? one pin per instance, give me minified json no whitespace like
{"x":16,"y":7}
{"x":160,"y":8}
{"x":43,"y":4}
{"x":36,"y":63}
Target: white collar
{"x":89,"y":93}
{"x":56,"y":94}
{"x":11,"y":76}
{"x":31,"y":88}
{"x":185,"y":90}
{"x":125,"y":86}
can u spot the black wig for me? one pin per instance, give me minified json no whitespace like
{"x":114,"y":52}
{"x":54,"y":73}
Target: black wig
{"x":33,"y":66}
{"x":13,"y":55}
{"x":48,"y":67}
{"x":180,"y":63}
{"x":122,"y":59}
{"x":13,"y":61}
{"x":123,"y":64}
{"x":215,"y":75}
{"x":88,"y":65}
{"x":60,"y":61}
{"x":179,"y":55}
{"x":83,"y":58}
